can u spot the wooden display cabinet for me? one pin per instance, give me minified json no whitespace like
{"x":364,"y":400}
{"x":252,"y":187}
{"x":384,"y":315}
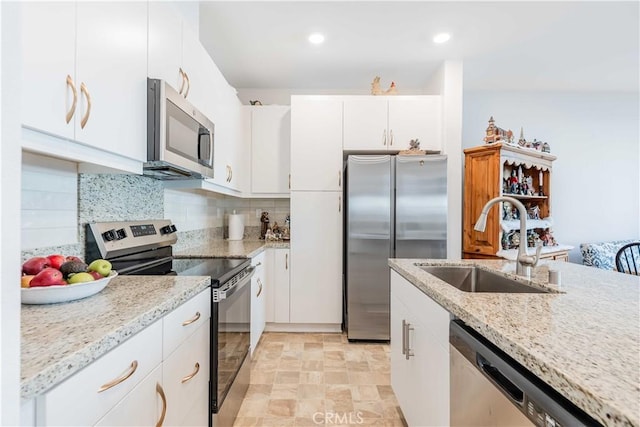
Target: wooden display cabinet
{"x":487,"y":173}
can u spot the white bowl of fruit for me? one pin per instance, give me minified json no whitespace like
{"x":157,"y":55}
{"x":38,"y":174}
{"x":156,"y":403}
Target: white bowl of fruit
{"x":56,"y":278}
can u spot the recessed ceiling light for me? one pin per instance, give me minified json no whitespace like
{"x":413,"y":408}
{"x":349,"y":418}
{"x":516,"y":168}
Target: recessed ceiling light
{"x":441,"y":38}
{"x":316,"y":38}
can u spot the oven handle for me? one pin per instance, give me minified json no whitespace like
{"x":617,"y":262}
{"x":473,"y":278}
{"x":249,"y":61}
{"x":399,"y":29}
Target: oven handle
{"x":226,"y":293}
{"x":144,"y":266}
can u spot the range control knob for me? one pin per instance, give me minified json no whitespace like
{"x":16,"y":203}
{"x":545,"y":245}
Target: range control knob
{"x":121,"y":234}
{"x":168,"y":229}
{"x":110,"y":235}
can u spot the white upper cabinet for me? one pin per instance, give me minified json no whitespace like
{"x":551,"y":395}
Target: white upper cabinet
{"x":270,"y":140}
{"x":316,"y":143}
{"x":389,"y":123}
{"x":165,"y":45}
{"x":84,"y":76}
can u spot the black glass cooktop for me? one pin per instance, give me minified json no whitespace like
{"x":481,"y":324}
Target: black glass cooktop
{"x":220,"y":269}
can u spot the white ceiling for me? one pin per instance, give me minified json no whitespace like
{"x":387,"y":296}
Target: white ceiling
{"x":575,"y":46}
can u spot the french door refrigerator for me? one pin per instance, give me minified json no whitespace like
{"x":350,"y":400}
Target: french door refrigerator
{"x":395,"y":207}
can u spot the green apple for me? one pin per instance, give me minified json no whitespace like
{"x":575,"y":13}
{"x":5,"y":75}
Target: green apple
{"x":80,"y":278}
{"x":102,"y":266}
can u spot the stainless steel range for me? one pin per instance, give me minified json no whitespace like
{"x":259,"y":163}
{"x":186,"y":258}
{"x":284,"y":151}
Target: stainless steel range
{"x":145,"y":248}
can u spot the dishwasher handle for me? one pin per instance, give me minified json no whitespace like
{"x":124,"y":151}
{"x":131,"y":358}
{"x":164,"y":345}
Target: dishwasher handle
{"x":512,"y":391}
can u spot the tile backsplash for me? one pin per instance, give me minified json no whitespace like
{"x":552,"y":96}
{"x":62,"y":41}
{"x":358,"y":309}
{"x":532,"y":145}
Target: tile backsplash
{"x":57,"y":202}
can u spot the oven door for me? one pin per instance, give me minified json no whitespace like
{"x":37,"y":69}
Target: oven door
{"x":231,"y":322}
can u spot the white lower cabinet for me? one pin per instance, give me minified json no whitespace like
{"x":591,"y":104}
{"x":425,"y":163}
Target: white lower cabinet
{"x":88,"y":395}
{"x":258,"y":300}
{"x":141,"y":382}
{"x":419,"y":354}
{"x":277,"y":298}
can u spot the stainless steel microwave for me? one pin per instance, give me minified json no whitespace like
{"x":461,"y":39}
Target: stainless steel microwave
{"x":179,"y":137}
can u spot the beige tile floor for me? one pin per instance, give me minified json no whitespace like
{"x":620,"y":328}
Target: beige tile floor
{"x":319,"y":379}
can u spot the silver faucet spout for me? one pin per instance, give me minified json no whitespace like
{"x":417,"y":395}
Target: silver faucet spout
{"x":525,"y":261}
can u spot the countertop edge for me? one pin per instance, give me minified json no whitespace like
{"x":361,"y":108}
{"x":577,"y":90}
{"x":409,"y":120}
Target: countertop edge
{"x":61,"y":370}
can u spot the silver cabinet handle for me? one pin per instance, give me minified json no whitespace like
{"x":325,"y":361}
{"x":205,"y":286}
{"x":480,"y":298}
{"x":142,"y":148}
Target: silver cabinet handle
{"x":339,"y":179}
{"x":409,"y":352}
{"x":391,"y":137}
{"x":286,"y":261}
{"x":384,"y":137}
{"x":339,"y":204}
{"x":260,"y":289}
{"x":404,"y":337}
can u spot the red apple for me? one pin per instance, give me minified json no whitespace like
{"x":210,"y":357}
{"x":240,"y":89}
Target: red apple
{"x":56,"y":260}
{"x":96,"y":275}
{"x":35,"y":265}
{"x":73,"y":258}
{"x":47,"y":277}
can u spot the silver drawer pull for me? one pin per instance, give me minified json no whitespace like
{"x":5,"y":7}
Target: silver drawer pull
{"x":125,"y":375}
{"x":193,"y":374}
{"x":193,"y":319}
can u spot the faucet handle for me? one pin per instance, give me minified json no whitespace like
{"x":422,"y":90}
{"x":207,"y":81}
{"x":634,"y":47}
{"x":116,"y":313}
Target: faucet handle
{"x":537,"y":256}
{"x":530,"y":260}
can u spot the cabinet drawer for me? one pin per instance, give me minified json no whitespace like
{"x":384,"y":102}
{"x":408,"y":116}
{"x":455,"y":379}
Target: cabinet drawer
{"x":77,"y":400}
{"x":183,"y":382}
{"x":142,"y":407}
{"x":184,"y":320}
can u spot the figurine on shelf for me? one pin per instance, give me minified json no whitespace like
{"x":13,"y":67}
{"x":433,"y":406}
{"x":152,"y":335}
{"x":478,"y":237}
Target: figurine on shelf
{"x":513,"y":182}
{"x":547,"y":238}
{"x":522,"y":141}
{"x":507,"y":211}
{"x":496,"y":134}
{"x":546,"y":148}
{"x":264,"y":219}
{"x":533,"y":212}
{"x":392,"y":89}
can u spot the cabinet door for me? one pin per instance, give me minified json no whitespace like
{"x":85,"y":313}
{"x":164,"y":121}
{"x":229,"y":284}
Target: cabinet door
{"x":165,"y":44}
{"x":258,"y":302}
{"x":48,"y":46}
{"x":143,"y":406}
{"x":365,"y":123}
{"x":270,"y":149}
{"x":280,"y":286}
{"x":185,"y":375}
{"x":426,"y":372}
{"x":415,"y":118}
{"x":112,"y":63}
{"x":316,"y":257}
{"x":316,"y":143}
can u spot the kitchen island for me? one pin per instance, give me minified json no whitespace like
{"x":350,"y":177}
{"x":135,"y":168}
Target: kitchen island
{"x":583,"y":338}
{"x":58,"y":340}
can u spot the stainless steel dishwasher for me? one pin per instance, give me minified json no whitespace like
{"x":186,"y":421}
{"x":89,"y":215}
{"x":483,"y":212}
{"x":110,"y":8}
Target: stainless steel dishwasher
{"x":489,"y":388}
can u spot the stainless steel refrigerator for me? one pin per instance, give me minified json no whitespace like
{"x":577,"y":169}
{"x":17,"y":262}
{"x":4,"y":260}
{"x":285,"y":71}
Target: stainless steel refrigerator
{"x":395,"y":207}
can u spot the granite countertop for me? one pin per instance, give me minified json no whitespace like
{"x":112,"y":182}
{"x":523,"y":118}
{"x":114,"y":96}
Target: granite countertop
{"x":57,"y":340}
{"x":230,"y":249}
{"x":584,"y":342}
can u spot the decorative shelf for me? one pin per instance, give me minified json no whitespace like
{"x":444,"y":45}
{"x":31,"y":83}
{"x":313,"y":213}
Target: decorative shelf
{"x":523,"y":197}
{"x":514,"y":224}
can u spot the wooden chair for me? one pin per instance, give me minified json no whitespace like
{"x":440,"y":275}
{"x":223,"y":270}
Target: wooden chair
{"x":628,"y":259}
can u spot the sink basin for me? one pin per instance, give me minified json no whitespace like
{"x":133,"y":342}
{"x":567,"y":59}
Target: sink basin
{"x":473,"y":279}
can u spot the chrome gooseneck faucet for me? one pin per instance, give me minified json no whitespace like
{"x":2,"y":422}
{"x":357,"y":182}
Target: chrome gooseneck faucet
{"x":524,"y":262}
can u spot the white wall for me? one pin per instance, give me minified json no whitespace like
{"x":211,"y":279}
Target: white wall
{"x":9,"y":214}
{"x":596,"y":178}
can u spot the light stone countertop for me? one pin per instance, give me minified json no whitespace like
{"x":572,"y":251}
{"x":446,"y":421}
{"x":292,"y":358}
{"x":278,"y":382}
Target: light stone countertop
{"x":230,"y":249}
{"x":57,"y":340}
{"x":583,"y":342}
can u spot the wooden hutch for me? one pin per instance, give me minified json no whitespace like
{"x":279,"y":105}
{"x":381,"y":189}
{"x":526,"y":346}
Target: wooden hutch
{"x":489,"y":171}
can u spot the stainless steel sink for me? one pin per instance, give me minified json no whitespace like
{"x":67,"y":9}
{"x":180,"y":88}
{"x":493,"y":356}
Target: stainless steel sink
{"x":473,"y":279}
